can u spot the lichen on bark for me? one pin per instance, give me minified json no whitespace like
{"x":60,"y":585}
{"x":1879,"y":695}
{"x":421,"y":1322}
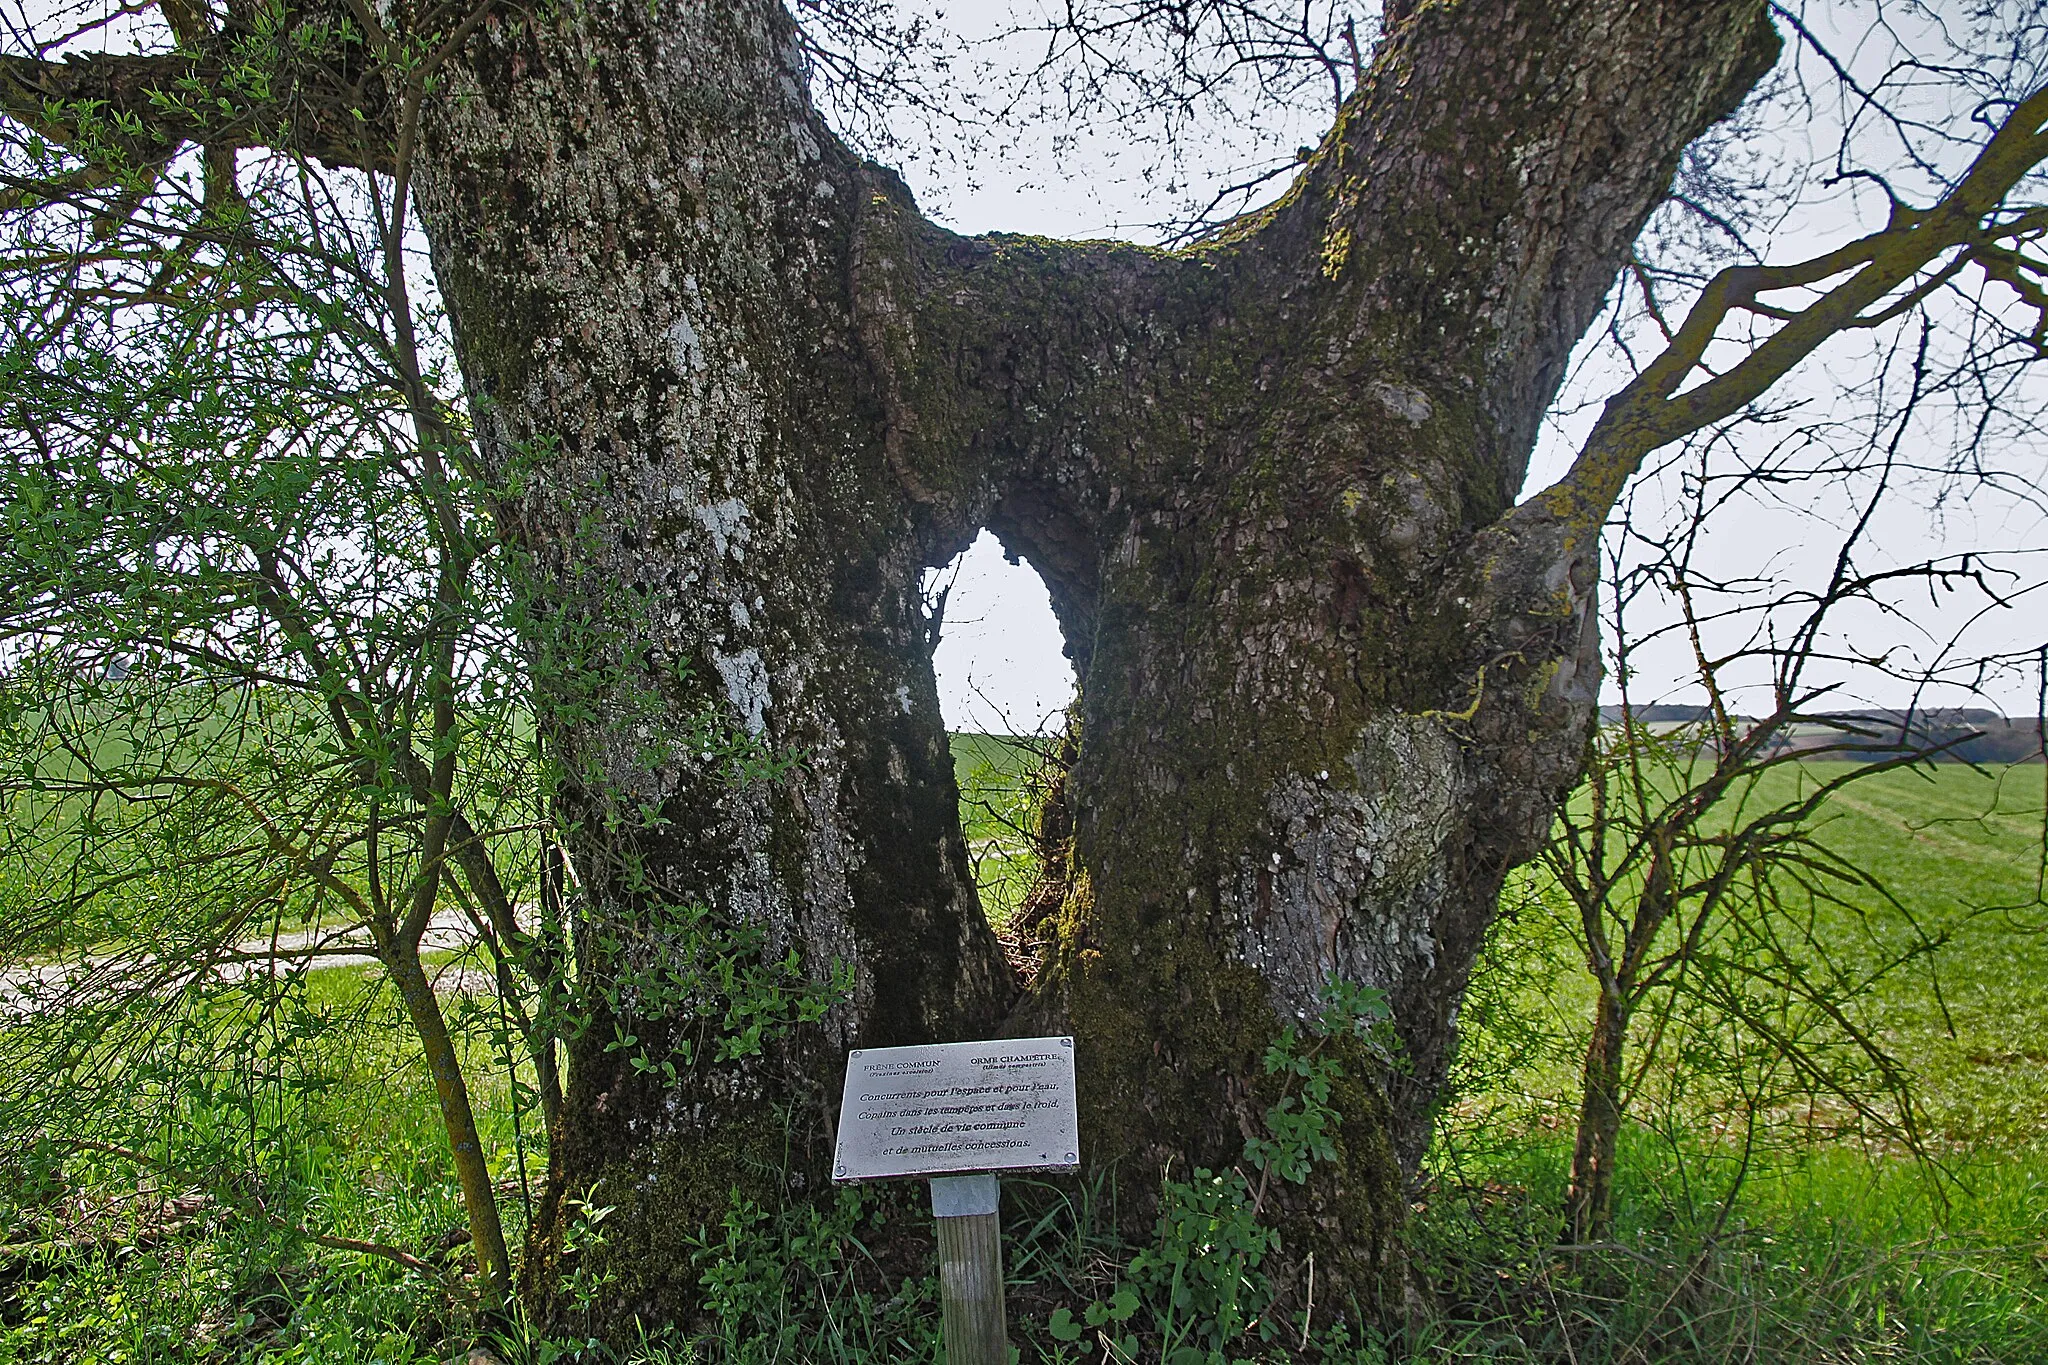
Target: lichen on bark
{"x":740,"y":394}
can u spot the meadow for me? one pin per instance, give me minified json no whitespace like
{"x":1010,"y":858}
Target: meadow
{"x":1775,"y":1235}
{"x":1781,"y":1233}
{"x":998,"y":776}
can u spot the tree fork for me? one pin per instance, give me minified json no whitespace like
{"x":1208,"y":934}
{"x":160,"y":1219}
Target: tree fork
{"x":738,"y":394}
{"x":1321,"y":713}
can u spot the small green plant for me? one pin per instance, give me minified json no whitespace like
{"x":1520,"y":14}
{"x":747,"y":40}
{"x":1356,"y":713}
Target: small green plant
{"x":717,"y":979}
{"x":1299,"y":1124}
{"x":796,"y":1284}
{"x":1202,"y":1283}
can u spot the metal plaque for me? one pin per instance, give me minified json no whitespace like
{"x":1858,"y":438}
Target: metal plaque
{"x":951,"y":1107}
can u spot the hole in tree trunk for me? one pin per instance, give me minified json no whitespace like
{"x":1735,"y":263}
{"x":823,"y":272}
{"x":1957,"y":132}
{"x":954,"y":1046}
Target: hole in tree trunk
{"x":1004,"y":686}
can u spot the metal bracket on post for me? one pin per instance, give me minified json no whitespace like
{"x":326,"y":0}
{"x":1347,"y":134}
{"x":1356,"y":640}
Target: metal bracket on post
{"x":971,"y":1269}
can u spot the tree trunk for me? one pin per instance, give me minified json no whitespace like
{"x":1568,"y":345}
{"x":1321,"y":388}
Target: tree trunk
{"x":645,"y":238}
{"x":738,"y":394}
{"x":1589,"y":1202}
{"x":458,"y":1119}
{"x":1332,"y":682}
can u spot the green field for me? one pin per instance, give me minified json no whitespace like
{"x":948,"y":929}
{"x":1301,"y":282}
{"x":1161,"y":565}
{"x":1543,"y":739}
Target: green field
{"x":1960,"y":851}
{"x":107,"y":1261}
{"x":1836,"y":1250}
{"x":997,"y":775}
{"x":1789,"y":1240}
{"x":95,"y":849}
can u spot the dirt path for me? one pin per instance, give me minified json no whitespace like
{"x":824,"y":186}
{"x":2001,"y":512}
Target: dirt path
{"x":97,"y":976}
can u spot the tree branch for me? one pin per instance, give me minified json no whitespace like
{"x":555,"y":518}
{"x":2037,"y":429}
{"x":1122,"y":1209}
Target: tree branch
{"x":141,"y":109}
{"x":1656,"y":409}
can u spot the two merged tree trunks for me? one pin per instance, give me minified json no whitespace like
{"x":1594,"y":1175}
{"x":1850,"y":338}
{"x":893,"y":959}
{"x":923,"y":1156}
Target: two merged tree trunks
{"x":738,"y":396}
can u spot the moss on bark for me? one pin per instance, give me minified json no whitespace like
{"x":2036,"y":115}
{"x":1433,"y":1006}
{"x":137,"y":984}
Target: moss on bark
{"x":740,"y":394}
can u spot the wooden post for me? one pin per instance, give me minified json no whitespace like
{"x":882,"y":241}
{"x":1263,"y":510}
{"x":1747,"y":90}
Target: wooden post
{"x":928,"y":1110}
{"x":971,"y":1269}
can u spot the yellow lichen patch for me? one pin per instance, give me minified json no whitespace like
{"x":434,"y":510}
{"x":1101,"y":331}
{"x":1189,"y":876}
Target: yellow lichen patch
{"x":1336,"y":250}
{"x":1539,"y":683}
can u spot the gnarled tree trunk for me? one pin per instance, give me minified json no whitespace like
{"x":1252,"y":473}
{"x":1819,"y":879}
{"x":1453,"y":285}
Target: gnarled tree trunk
{"x":740,"y":395}
{"x":737,"y":395}
{"x":1332,"y":681}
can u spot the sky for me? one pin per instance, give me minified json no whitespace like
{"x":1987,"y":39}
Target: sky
{"x":999,"y":661}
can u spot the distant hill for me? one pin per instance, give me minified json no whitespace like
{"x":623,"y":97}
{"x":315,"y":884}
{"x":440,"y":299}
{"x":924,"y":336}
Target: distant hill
{"x":1960,"y":734}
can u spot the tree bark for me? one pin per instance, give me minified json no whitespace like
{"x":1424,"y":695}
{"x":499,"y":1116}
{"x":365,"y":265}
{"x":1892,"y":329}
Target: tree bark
{"x":739,"y":395}
{"x":1589,"y":1202}
{"x":646,"y":239}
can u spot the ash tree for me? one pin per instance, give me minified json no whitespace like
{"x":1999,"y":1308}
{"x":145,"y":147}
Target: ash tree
{"x":731,"y":391}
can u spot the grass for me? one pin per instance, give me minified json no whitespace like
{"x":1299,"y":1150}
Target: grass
{"x":1961,"y":850}
{"x":1776,"y":1241}
{"x":1832,"y":1256}
{"x":998,"y":779}
{"x":1838,"y":1251}
{"x":95,"y":850}
{"x":1958,"y":850}
{"x":335,"y":1128}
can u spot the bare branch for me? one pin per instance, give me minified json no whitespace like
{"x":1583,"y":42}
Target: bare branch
{"x":1657,"y":408}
